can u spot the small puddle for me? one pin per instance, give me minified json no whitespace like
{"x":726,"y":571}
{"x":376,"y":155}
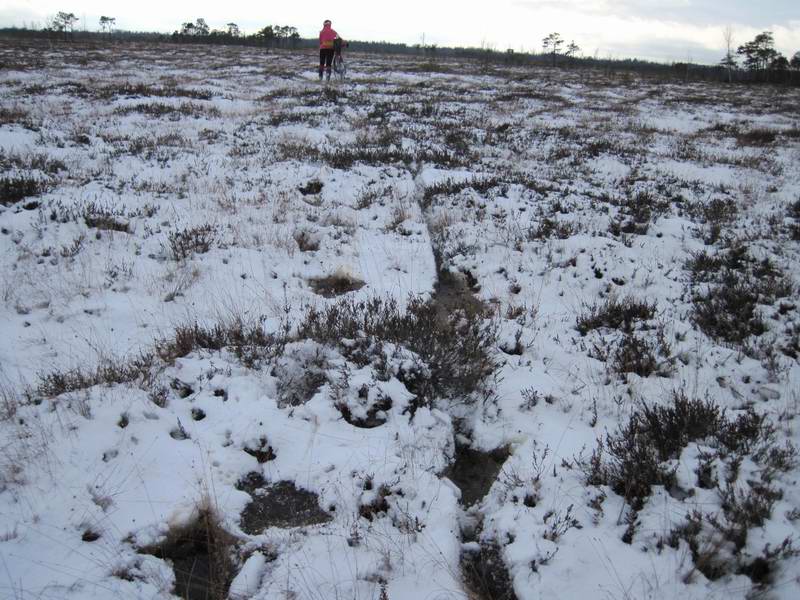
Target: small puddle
{"x":486,"y":576}
{"x":200,"y":554}
{"x":335,"y":285}
{"x":474,"y":472}
{"x":278,"y":505}
{"x":453,"y":292}
{"x":485,"y":573}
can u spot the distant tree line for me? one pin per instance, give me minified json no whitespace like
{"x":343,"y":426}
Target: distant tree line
{"x":271,"y":36}
{"x":760,"y":60}
{"x":63,"y":23}
{"x":552,"y":44}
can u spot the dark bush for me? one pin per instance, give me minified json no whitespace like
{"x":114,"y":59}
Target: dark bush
{"x":551,"y":228}
{"x":671,"y":428}
{"x":14,"y":189}
{"x":455,"y":348}
{"x":614,"y":313}
{"x":14,"y":115}
{"x":31,"y":162}
{"x":248,"y":342}
{"x":639,"y":355}
{"x":290,"y":116}
{"x":450,"y":187}
{"x":312,"y":187}
{"x":728,"y":312}
{"x":714,"y":214}
{"x":108,"y":372}
{"x":195,"y":240}
{"x":637,"y":210}
{"x":727,"y":309}
{"x":306,"y":241}
{"x":794,"y":213}
{"x":631,"y":460}
{"x":131,"y":90}
{"x":156,"y":109}
{"x":105,"y":218}
{"x":344,"y":157}
{"x":336,"y":284}
{"x":703,"y":266}
{"x":483,"y":185}
{"x":757,"y":137}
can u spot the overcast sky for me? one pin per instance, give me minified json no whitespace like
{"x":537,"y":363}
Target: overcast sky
{"x":664,"y":30}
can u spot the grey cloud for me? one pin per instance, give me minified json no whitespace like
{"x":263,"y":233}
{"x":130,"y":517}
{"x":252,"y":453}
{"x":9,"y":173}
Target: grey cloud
{"x":663,"y":51}
{"x":14,"y":17}
{"x":695,"y":12}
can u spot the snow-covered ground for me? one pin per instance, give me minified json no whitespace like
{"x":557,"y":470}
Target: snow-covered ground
{"x":634,"y":247}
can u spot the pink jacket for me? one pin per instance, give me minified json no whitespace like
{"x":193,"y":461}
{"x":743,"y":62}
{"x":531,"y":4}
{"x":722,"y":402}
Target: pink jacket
{"x":326,"y":37}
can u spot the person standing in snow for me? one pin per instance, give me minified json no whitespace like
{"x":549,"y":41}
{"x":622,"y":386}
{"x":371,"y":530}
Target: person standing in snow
{"x":327,"y":37}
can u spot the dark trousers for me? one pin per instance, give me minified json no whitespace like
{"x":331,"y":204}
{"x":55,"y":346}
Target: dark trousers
{"x":325,"y":60}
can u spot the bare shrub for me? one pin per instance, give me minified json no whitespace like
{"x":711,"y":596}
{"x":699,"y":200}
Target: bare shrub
{"x":484,"y":186}
{"x":108,"y":372}
{"x":615,"y":313}
{"x":194,"y":240}
{"x":136,"y":90}
{"x":717,"y":542}
{"x":727,"y":309}
{"x":455,"y":349}
{"x":400,"y":214}
{"x":72,"y":250}
{"x":13,"y":115}
{"x":31,"y":162}
{"x":638,"y":209}
{"x":715,"y":215}
{"x":636,"y":453}
{"x":551,"y":228}
{"x":105,"y":218}
{"x":344,"y":157}
{"x":728,"y":312}
{"x":642,"y":356}
{"x":247,"y":341}
{"x":369,"y":196}
{"x":9,"y":402}
{"x":156,"y":109}
{"x":559,"y":523}
{"x":16,"y":188}
{"x":292,"y":116}
{"x":758,"y":136}
{"x":794,"y":214}
{"x":450,"y":187}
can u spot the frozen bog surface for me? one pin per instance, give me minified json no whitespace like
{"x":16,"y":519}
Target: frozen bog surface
{"x":443,"y":330}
